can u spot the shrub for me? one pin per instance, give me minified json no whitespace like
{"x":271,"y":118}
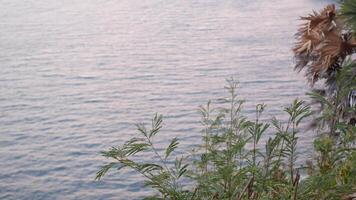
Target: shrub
{"x":223,"y":167}
{"x":232,"y":162}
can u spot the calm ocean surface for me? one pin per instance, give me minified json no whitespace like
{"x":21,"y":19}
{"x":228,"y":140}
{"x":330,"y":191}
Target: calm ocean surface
{"x":76,"y":75}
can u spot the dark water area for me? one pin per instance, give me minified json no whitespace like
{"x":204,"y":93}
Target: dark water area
{"x":77,"y":75}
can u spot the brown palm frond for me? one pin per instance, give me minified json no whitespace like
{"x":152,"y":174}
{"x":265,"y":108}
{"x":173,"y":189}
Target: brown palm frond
{"x":318,"y":22}
{"x":322,"y":21}
{"x":331,"y":53}
{"x":322,"y":44}
{"x":312,"y":33}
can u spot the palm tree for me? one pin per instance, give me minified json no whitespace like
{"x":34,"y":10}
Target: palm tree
{"x":325,"y":41}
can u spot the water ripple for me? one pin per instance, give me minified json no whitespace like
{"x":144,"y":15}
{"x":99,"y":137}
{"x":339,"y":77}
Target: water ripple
{"x":76,"y":76}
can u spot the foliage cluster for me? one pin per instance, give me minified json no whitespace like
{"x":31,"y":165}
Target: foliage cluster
{"x":233,"y":162}
{"x":236,"y":161}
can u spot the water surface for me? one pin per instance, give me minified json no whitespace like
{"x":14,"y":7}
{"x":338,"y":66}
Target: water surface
{"x":76,"y":75}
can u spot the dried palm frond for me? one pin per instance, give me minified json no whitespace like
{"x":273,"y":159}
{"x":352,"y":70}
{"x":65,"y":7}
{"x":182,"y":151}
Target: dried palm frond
{"x":313,"y":31}
{"x":322,"y":44}
{"x":330,"y":55}
{"x":321,"y":23}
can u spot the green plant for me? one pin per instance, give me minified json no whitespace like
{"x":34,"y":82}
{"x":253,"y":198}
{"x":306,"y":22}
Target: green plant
{"x":234,"y":162}
{"x":230,"y":163}
{"x":159,"y":174}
